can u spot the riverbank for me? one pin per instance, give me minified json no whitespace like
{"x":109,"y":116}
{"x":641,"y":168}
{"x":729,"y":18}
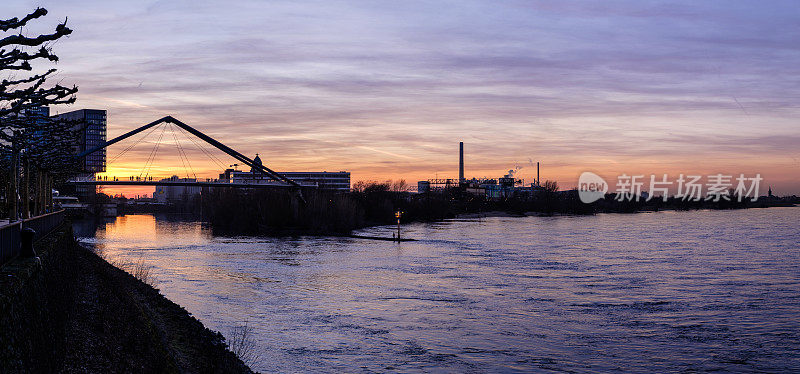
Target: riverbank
{"x":71,"y":311}
{"x":287,"y":213}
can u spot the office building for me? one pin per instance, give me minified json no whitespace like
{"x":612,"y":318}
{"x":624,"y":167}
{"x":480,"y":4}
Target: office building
{"x":91,"y":126}
{"x":332,"y":181}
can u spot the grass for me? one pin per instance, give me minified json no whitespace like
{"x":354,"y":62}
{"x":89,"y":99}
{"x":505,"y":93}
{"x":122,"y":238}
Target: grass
{"x":139,"y":269}
{"x":242,"y":343}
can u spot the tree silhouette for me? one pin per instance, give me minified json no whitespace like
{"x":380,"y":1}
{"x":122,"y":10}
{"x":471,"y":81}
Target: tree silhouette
{"x":550,"y":186}
{"x":29,"y":136}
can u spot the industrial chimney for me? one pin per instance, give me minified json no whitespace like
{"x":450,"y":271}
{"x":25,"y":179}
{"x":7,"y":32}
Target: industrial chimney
{"x":460,"y":162}
{"x":538,"y":182}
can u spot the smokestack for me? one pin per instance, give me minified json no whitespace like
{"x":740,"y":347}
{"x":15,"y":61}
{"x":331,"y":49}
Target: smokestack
{"x":461,"y":162}
{"x":537,"y":174}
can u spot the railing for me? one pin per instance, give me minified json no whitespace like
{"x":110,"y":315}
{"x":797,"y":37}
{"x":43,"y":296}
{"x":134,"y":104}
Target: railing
{"x":9,"y":241}
{"x":44,"y":224}
{"x":10,"y":233}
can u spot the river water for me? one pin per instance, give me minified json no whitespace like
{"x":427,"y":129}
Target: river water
{"x":666,"y":291}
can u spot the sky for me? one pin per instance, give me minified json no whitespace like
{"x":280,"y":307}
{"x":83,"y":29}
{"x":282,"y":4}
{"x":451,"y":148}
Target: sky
{"x":387,"y":89}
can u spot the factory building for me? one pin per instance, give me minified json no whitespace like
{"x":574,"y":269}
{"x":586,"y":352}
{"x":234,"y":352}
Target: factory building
{"x":489,"y":188}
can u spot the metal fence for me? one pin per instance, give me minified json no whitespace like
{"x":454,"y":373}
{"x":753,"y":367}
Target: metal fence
{"x":9,"y":241}
{"x":44,"y":224}
{"x":10,"y":233}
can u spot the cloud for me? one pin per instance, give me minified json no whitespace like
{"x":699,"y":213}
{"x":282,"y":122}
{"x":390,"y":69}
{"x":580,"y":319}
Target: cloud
{"x":386,"y":89}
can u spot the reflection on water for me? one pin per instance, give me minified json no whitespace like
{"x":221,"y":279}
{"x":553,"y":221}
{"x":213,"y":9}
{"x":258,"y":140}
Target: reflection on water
{"x":704,"y":290}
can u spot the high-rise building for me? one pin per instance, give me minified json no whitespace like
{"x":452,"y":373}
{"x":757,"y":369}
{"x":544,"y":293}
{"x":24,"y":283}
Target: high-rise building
{"x":39,"y":114}
{"x":91,"y":126}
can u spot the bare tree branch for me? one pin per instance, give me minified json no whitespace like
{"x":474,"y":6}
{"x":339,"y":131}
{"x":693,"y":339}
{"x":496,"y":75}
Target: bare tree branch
{"x":15,"y":23}
{"x":18,"y":55}
{"x":61,"y":30}
{"x":48,"y":143}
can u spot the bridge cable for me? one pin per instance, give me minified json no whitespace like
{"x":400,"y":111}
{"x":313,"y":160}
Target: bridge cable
{"x":186,"y":156}
{"x":150,"y":155}
{"x":208,"y":154}
{"x":151,"y":159}
{"x":130,"y":147}
{"x":205,"y":151}
{"x":182,"y":154}
{"x":216,"y":159}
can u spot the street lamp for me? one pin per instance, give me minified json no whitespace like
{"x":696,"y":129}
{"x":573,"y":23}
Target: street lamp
{"x":398,"y":214}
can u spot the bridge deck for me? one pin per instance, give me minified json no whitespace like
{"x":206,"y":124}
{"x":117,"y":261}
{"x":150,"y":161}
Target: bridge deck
{"x":182,"y":183}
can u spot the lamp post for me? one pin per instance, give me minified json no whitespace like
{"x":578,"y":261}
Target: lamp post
{"x":12,"y":195}
{"x":398,"y":214}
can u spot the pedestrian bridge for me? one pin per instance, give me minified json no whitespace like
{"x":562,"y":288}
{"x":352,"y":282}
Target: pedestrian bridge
{"x":187,"y":183}
{"x":272,"y":180}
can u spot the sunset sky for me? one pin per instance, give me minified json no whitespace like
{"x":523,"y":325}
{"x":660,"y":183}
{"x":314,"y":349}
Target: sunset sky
{"x":387,"y":89}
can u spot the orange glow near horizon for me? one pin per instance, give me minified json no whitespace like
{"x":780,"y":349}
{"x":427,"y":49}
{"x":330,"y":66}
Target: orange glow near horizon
{"x":565,"y":170}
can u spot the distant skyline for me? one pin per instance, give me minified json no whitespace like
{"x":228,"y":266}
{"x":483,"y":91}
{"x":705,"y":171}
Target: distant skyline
{"x":386,"y":90}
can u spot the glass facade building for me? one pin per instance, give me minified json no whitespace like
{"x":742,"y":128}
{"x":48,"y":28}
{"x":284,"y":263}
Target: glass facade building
{"x":91,"y":124}
{"x":38,"y":112}
{"x":91,"y":127}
